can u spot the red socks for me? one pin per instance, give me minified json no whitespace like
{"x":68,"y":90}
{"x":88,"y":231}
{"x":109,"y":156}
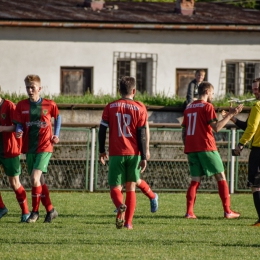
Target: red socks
{"x":116,"y":196}
{"x":130,"y":202}
{"x":36,"y":197}
{"x":2,"y":205}
{"x":224,"y":195}
{"x":22,"y":200}
{"x":45,"y":198}
{"x":191,"y":196}
{"x":146,"y":190}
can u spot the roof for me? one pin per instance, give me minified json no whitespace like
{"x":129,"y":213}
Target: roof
{"x":145,"y":15}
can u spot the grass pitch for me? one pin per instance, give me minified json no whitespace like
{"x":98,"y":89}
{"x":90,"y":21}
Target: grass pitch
{"x":85,"y":229}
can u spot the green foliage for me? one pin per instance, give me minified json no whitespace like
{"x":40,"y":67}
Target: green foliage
{"x":85,"y":229}
{"x":160,"y":99}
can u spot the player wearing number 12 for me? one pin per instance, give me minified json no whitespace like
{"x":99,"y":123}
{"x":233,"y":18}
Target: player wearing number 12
{"x":198,"y":121}
{"x":126,"y":120}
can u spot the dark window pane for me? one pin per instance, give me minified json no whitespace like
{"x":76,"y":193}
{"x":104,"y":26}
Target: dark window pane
{"x":249,"y":76}
{"x":123,"y":69}
{"x":231,"y":78}
{"x":141,"y":71}
{"x":76,"y":81}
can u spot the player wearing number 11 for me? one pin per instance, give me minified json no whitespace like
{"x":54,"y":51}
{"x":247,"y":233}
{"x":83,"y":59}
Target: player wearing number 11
{"x":198,"y":122}
{"x":126,"y":120}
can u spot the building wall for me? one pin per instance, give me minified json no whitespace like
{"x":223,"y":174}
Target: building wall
{"x":43,"y":51}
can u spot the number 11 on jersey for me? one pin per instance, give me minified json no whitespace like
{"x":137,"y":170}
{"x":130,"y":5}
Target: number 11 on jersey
{"x":192,"y":123}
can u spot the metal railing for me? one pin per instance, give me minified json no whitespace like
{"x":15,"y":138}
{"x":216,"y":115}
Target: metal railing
{"x":75,"y":166}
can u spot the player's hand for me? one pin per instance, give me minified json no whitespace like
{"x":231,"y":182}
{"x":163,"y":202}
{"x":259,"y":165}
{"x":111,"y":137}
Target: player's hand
{"x":238,"y":149}
{"x":103,"y":157}
{"x":148,"y":155}
{"x":224,"y":113}
{"x":142,"y":165}
{"x":55,"y":139}
{"x":19,"y":134}
{"x":235,"y":110}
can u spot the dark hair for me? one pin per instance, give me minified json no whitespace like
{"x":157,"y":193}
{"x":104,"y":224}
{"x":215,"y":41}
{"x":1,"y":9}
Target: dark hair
{"x":256,"y":80}
{"x":126,"y":84}
{"x":204,"y":85}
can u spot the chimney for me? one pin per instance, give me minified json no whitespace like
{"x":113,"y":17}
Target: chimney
{"x":185,"y":7}
{"x":95,"y":5}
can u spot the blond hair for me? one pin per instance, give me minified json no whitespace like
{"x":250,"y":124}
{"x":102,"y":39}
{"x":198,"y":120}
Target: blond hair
{"x":32,"y":78}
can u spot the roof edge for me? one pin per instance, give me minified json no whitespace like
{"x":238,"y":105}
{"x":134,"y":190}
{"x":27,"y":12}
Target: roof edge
{"x":129,"y":26}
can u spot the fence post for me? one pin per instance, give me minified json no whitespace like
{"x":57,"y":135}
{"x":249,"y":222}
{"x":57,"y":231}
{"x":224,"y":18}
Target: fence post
{"x":232,"y":163}
{"x":92,"y":159}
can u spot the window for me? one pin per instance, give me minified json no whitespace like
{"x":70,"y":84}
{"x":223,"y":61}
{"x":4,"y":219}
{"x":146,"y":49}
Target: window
{"x":76,"y":81}
{"x":183,"y":78}
{"x":142,"y":66}
{"x":239,"y":76}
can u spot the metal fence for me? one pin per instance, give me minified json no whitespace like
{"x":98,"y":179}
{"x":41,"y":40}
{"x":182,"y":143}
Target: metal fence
{"x":75,"y":166}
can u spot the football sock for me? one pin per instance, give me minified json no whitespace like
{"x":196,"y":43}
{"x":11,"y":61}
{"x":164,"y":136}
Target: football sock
{"x":22,"y":200}
{"x":2,"y":205}
{"x":191,"y":196}
{"x":116,"y":196}
{"x":224,"y":195}
{"x":36,"y":197}
{"x":130,"y":203}
{"x":256,"y":196}
{"x":146,"y":190}
{"x":45,"y":198}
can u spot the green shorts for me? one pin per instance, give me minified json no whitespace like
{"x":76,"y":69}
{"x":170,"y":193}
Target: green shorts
{"x":12,"y":166}
{"x":123,"y":169}
{"x":205,"y":163}
{"x":38,"y":161}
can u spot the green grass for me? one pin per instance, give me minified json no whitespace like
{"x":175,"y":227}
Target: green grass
{"x":155,"y":100}
{"x":85,"y":229}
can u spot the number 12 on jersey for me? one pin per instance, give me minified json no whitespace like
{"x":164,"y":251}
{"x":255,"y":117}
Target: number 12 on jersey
{"x":123,"y":121}
{"x":192,"y":123}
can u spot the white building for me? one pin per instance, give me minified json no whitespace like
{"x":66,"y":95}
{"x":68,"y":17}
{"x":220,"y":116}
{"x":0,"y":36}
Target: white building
{"x":75,"y":49}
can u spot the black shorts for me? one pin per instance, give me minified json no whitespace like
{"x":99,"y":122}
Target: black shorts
{"x":254,"y":168}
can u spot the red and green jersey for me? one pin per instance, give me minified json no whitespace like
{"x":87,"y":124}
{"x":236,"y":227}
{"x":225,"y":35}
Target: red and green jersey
{"x":196,"y":119}
{"x":124,"y":117}
{"x":35,"y":119}
{"x":9,"y":145}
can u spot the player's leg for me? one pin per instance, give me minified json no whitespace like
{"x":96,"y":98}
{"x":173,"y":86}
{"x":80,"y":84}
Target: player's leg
{"x":132,"y":176}
{"x":195,"y":172}
{"x":147,"y":191}
{"x":116,"y":179}
{"x":12,"y":169}
{"x":254,"y":180}
{"x":34,"y":169}
{"x":36,"y":192}
{"x":130,"y":203}
{"x":41,"y":163}
{"x":191,"y":197}
{"x":223,"y":191}
{"x":3,"y":209}
{"x":20,"y":197}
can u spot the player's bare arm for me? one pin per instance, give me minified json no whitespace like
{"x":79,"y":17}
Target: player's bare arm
{"x":218,"y":125}
{"x":10,"y":128}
